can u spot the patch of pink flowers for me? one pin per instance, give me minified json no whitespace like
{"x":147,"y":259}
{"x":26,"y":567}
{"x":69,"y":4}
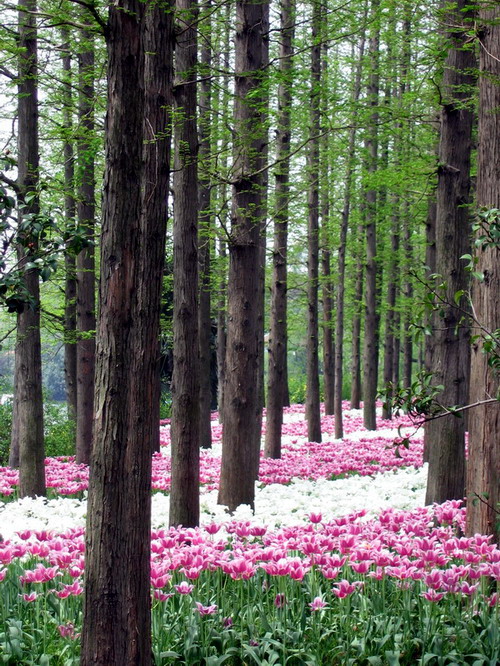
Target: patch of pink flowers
{"x":419,"y":547}
{"x":311,"y":460}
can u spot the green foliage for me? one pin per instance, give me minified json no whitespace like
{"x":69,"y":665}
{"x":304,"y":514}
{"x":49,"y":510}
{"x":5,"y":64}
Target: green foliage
{"x":5,"y":429}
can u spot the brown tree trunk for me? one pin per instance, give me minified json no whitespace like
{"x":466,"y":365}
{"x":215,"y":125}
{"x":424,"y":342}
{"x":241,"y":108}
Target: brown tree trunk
{"x":185,"y":426}
{"x":313,"y":415}
{"x":117,"y":616}
{"x":483,"y":468}
{"x":157,"y":148}
{"x":344,"y":226}
{"x":408,"y":292}
{"x":370,"y":351}
{"x":205,"y":232}
{"x":390,"y":316}
{"x":85,"y":264}
{"x":70,"y":371}
{"x":241,"y":403}
{"x":356,"y":331}
{"x":278,"y":320}
{"x":451,"y":357}
{"x":27,"y":433}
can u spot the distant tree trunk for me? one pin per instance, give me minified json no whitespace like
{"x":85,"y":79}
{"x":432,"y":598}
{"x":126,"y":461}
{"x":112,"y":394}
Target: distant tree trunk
{"x":27,"y":433}
{"x":224,"y":64}
{"x":278,"y":319}
{"x":370,"y":352}
{"x":430,"y":262}
{"x":241,"y":403}
{"x":85,"y":264}
{"x":70,"y":367}
{"x":328,"y":290}
{"x":451,"y":357}
{"x":408,"y":291}
{"x":313,"y":415}
{"x":391,"y":304}
{"x":221,"y":335}
{"x":344,"y":227}
{"x":156,"y":176}
{"x":356,"y":331}
{"x":483,"y":468}
{"x":262,"y":217}
{"x":205,"y":233}
{"x":185,"y":425}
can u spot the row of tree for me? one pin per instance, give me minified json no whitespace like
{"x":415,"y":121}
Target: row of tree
{"x":347,"y":91}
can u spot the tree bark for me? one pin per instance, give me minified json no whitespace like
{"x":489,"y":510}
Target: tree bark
{"x":356,"y":392}
{"x":241,"y":403}
{"x":483,"y":468}
{"x":344,"y":227}
{"x":451,"y":353}
{"x":313,"y":415}
{"x":27,"y":431}
{"x":370,"y":351}
{"x":117,"y":614}
{"x":278,"y":319}
{"x":205,"y":232}
{"x":85,"y":264}
{"x":185,"y":425}
{"x":70,"y":367}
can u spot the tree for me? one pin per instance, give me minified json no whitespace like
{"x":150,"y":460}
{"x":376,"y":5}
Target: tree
{"x":451,"y":348}
{"x":240,"y":439}
{"x":370,"y":352}
{"x":185,"y":425}
{"x":27,"y":431}
{"x":278,"y":317}
{"x":313,"y":416}
{"x":85,"y":264}
{"x":483,"y":468}
{"x":205,"y":231}
{"x":344,"y":227}
{"x":117,"y":619}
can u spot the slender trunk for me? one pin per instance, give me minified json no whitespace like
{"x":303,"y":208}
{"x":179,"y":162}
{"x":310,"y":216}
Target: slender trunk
{"x":483,"y":468}
{"x":313,"y":416}
{"x":158,"y":37}
{"x":356,"y":331}
{"x":185,"y":426}
{"x":278,"y":324}
{"x":390,"y":316}
{"x":344,"y":226}
{"x":370,"y":351}
{"x":430,"y":262}
{"x":28,"y":401}
{"x":85,"y":264}
{"x":70,"y":364}
{"x":205,"y":234}
{"x":241,"y":403}
{"x":408,"y":291}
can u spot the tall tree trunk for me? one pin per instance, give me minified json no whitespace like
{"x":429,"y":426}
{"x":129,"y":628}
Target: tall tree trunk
{"x":241,"y":403}
{"x":70,"y":365}
{"x":85,"y":264}
{"x":327,"y":291}
{"x":344,"y":227}
{"x":205,"y":231}
{"x":356,"y":328}
{"x":278,"y":324}
{"x":117,"y":614}
{"x":313,"y":415}
{"x":185,"y":425}
{"x":451,"y":357}
{"x":27,"y":433}
{"x":370,"y":351}
{"x":483,"y":468}
{"x":430,"y":262}
{"x":159,"y":41}
{"x":224,"y":102}
{"x":408,"y":292}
